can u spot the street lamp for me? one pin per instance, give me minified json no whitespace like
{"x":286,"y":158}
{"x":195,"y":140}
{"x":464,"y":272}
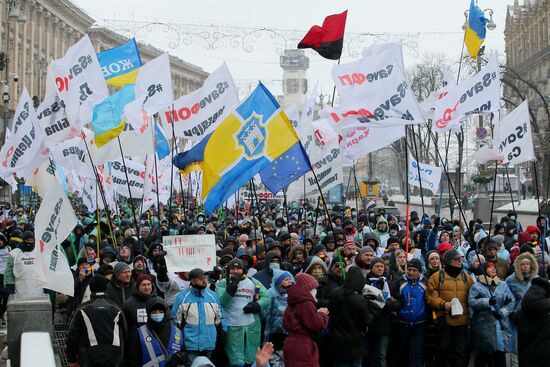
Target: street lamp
{"x":491,"y":25}
{"x":14,"y":14}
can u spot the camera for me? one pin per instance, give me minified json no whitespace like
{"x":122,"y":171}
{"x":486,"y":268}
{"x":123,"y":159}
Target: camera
{"x":15,"y":78}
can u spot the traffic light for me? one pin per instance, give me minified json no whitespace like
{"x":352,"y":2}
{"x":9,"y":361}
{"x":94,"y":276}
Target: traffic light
{"x":2,"y":61}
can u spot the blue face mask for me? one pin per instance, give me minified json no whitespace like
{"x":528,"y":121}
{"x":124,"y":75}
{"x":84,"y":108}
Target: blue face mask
{"x":157,"y":317}
{"x":274,"y":266}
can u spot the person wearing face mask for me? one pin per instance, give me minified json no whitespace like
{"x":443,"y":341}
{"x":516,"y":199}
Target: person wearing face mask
{"x":315,"y":267}
{"x":302,"y":319}
{"x":274,"y":330}
{"x":20,"y":275}
{"x":198,"y":312}
{"x":159,"y":342}
{"x":273,"y":261}
{"x":243,"y":300}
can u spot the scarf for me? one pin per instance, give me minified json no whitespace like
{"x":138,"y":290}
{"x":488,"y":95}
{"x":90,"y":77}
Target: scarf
{"x":380,"y":283}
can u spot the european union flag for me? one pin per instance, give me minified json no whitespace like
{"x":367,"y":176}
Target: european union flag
{"x":161,"y":143}
{"x":291,"y":165}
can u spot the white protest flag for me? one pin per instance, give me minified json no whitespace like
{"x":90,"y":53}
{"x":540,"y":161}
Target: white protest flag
{"x":22,"y":147}
{"x":477,"y":95}
{"x":293,"y":115}
{"x":485,"y":154}
{"x":197,"y":114}
{"x":389,"y":103}
{"x":430,"y":175}
{"x":361,"y":141}
{"x":89,"y":193}
{"x":72,"y":155}
{"x":42,"y":177}
{"x":513,"y":138}
{"x":353,"y":79}
{"x":53,"y":121}
{"x":136,"y":172}
{"x":79,"y":81}
{"x":134,"y":143}
{"x":386,"y":50}
{"x":153,"y":91}
{"x":54,"y":221}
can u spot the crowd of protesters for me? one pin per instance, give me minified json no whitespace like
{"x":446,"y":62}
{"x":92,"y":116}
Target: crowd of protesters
{"x":297,"y":288}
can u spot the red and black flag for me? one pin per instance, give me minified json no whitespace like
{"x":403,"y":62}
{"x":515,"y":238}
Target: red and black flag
{"x":328,"y":39}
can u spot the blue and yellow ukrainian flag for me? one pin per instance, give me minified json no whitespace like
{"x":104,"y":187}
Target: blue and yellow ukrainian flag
{"x":248,"y":140}
{"x":476,"y":28}
{"x":106,"y":120}
{"x":120,"y":64}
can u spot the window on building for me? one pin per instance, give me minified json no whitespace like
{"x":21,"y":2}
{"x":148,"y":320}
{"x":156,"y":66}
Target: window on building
{"x":292,"y":85}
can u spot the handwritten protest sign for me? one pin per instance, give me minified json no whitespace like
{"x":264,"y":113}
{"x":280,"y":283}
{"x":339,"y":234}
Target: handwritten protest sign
{"x":185,"y":253}
{"x":430,"y":175}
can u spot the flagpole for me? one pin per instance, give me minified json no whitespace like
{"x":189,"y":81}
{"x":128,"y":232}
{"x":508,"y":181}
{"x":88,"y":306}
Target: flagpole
{"x":132,"y":206}
{"x":542,"y":239}
{"x":253,"y":185}
{"x":171,"y":171}
{"x":156,"y":172}
{"x":316,"y":216}
{"x":324,"y":204}
{"x":286,"y":206}
{"x":493,"y":200}
{"x":101,"y":189}
{"x":510,"y":186}
{"x":419,"y":176}
{"x":407,"y":195}
{"x":357,"y":192}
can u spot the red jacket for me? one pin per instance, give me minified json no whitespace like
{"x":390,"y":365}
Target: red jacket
{"x":301,"y":320}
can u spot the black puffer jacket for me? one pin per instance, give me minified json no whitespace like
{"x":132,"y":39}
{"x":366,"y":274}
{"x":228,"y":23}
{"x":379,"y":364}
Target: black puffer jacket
{"x":264,"y":276}
{"x":533,"y":325}
{"x":327,"y":285}
{"x":350,"y":318}
{"x":135,"y":308}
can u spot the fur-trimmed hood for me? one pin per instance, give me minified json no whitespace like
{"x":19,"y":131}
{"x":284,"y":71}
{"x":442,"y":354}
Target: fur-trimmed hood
{"x":534,"y":266}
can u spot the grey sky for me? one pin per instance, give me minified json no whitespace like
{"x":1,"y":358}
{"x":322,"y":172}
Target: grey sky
{"x":438,"y":21}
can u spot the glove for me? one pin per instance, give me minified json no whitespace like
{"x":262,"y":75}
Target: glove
{"x":497,"y":315}
{"x":493,"y":301}
{"x":232,"y":286}
{"x":252,"y":307}
{"x":9,"y":288}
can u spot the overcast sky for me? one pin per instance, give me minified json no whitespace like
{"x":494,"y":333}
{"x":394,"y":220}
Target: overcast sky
{"x":439,"y":23}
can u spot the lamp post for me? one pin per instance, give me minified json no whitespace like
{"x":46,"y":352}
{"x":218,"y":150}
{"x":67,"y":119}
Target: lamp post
{"x":14,"y":13}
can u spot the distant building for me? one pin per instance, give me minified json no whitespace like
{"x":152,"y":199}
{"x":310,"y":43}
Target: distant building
{"x":295,"y":85}
{"x":51,"y":27}
{"x":527,"y":35}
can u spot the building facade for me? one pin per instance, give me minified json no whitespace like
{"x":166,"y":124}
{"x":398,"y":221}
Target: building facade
{"x":526,"y":75}
{"x":45,"y":32}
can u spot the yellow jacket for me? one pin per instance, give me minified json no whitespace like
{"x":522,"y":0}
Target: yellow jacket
{"x":448,"y":288}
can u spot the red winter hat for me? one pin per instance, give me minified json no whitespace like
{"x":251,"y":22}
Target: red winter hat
{"x":524,"y":237}
{"x":306,"y":281}
{"x":531,"y":229}
{"x":349,"y":244}
{"x":445,"y":246}
{"x":143,"y":277}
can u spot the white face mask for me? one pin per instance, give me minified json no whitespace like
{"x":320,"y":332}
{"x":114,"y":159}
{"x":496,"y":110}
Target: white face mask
{"x":313,"y":293}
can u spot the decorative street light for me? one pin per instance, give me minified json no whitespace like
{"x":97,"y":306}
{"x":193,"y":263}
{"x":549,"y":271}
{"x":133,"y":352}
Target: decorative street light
{"x":491,"y":25}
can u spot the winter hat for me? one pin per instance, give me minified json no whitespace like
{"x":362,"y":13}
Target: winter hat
{"x":479,"y":235}
{"x":491,"y":244}
{"x":444,"y":247}
{"x":142,"y":278}
{"x":415,"y":263}
{"x":366,"y":250}
{"x":202,"y":361}
{"x":105,"y":270}
{"x":280,"y":275}
{"x":451,"y":255}
{"x":526,"y":247}
{"x":430,"y":254}
{"x":392,"y":239}
{"x":336,"y":260}
{"x":27,"y":235}
{"x":532,"y":228}
{"x":377,"y":260}
{"x":306,"y":281}
{"x":479,"y":258}
{"x":98,"y":284}
{"x":317,"y":248}
{"x":499,"y":239}
{"x":524,"y":237}
{"x":139,"y":257}
{"x":350,"y":244}
{"x":119,"y":268}
{"x":236,"y":263}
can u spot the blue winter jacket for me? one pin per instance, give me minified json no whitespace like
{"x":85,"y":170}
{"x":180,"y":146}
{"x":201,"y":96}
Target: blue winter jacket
{"x":412,"y":300}
{"x":198,"y":312}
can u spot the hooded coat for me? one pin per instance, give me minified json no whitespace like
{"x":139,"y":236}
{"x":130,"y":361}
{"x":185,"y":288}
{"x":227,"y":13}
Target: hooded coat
{"x":301,"y":320}
{"x":274,"y":313}
{"x":517,"y":282}
{"x":533,"y":325}
{"x":327,"y":285}
{"x":266,"y":275}
{"x":350,"y":318}
{"x":382,"y":235}
{"x":488,"y":333}
{"x":135,"y":308}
